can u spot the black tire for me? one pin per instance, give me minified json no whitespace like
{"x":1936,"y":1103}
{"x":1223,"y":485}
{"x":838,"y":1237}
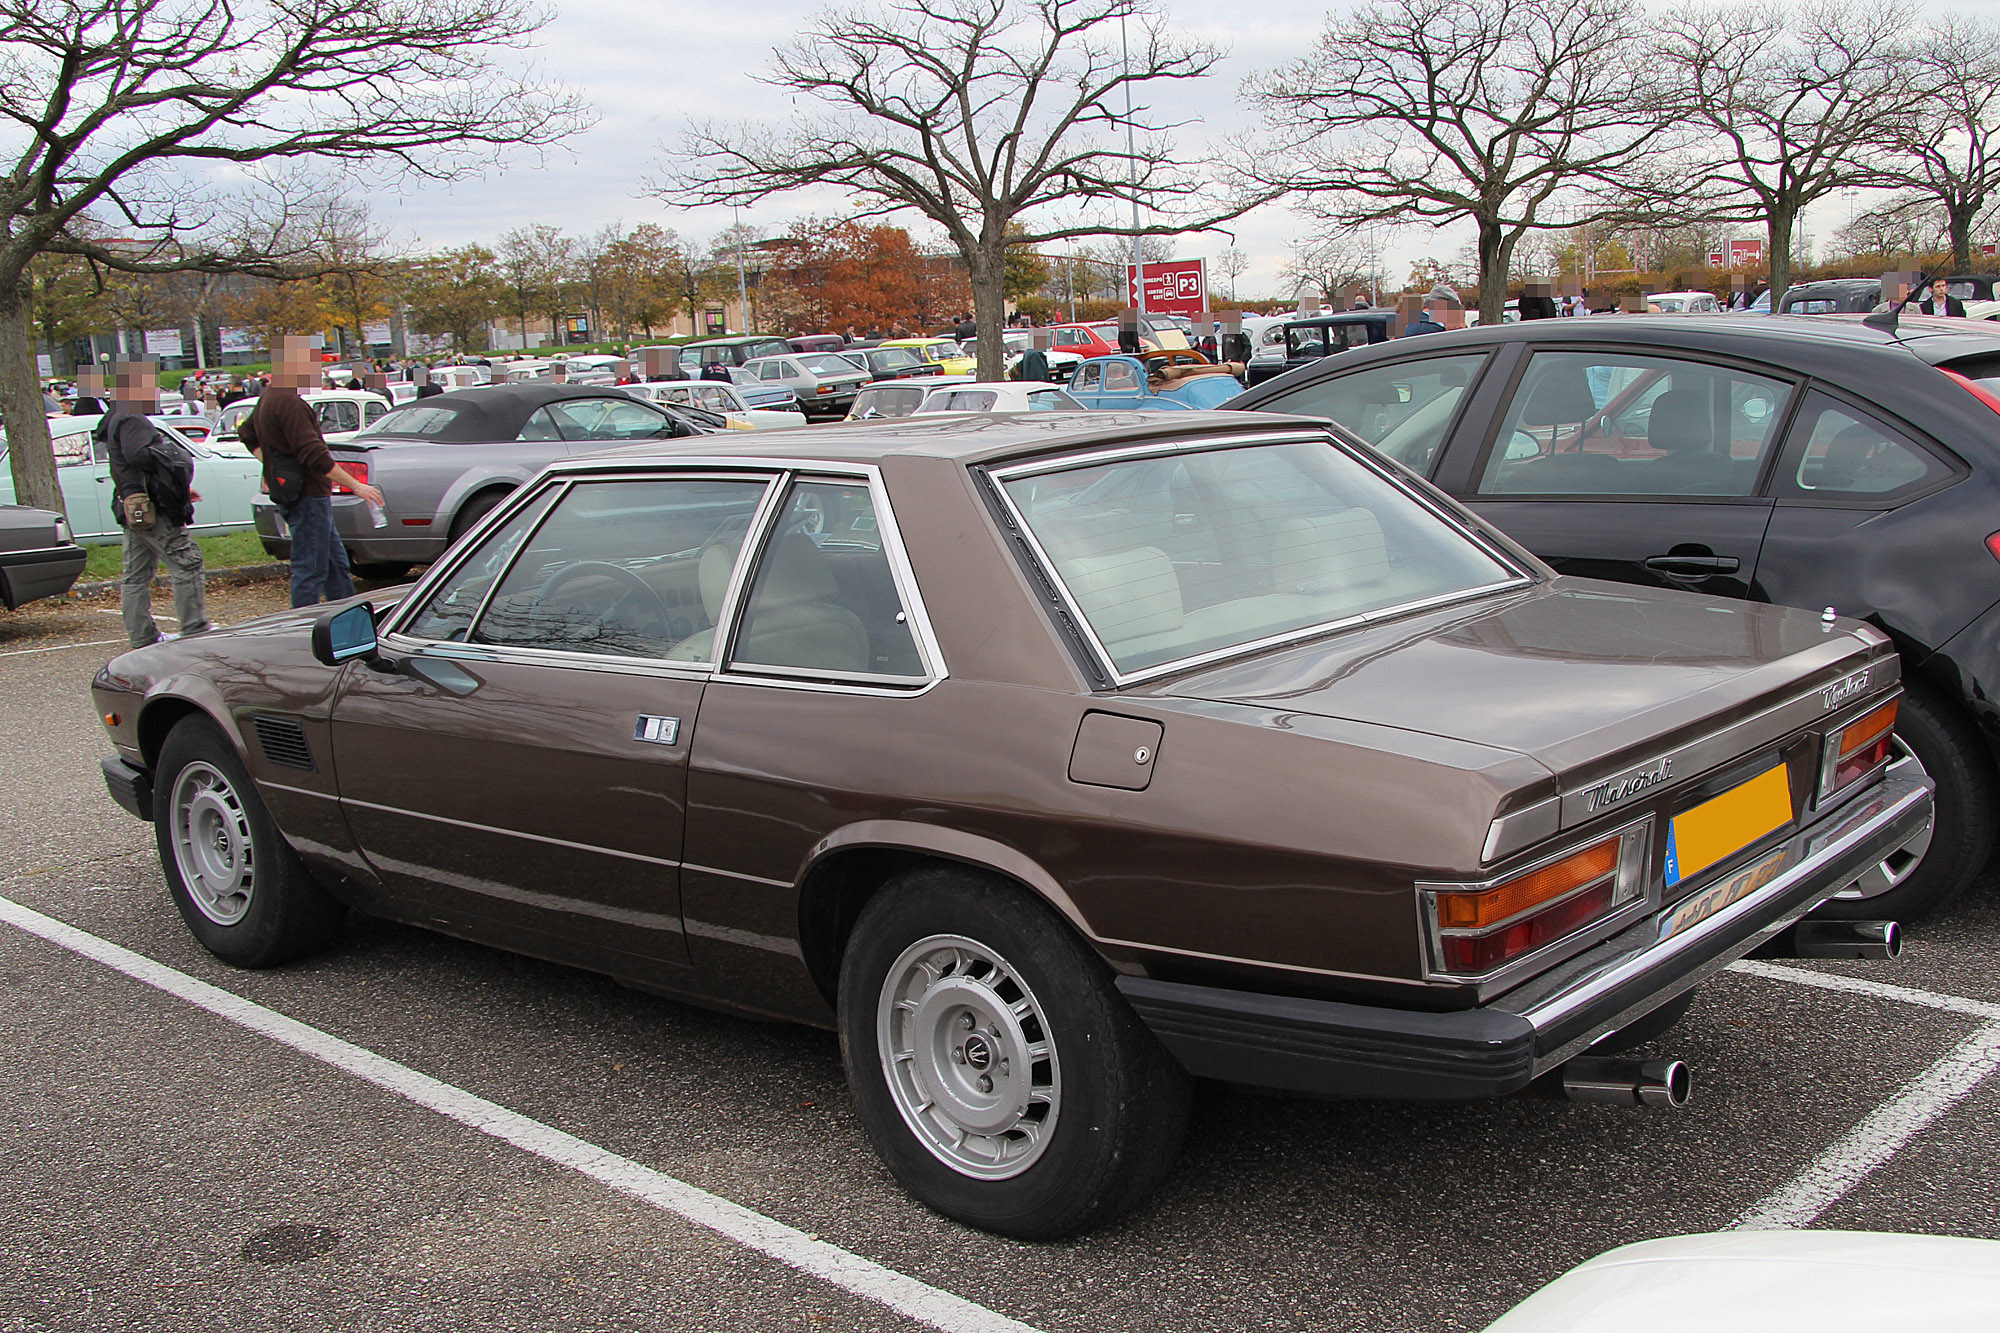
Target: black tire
{"x":240,"y":887}
{"x":1116,"y":1104}
{"x":478,"y":507}
{"x":1645,"y":1028}
{"x":1937,"y":738}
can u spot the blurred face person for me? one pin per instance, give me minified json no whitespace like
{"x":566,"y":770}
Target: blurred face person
{"x":298,"y":364}
{"x":134,"y":387}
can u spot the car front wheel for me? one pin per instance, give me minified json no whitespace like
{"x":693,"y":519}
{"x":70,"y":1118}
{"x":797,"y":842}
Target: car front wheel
{"x":240,"y":887}
{"x":997,"y":1070}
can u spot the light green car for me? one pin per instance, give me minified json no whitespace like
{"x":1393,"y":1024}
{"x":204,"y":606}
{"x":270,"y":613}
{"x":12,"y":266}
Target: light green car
{"x":227,"y":483}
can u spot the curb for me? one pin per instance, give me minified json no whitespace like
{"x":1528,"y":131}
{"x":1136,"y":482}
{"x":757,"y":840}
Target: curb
{"x":239,"y":575}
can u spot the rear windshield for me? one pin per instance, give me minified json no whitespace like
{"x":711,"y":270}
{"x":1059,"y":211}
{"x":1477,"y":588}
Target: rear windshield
{"x":826,"y":363}
{"x":1180,"y":555}
{"x":424,"y":419}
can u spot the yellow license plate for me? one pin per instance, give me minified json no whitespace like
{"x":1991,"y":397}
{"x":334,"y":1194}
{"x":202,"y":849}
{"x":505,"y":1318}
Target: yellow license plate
{"x":1721,"y":827}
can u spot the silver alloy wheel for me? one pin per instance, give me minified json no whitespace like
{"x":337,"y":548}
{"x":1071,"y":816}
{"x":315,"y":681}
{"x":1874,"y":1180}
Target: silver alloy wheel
{"x":212,"y":847}
{"x":1901,"y":863}
{"x":968,"y":1057}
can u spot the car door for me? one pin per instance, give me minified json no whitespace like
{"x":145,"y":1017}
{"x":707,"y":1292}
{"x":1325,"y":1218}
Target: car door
{"x":1634,"y":466}
{"x":515,"y":766}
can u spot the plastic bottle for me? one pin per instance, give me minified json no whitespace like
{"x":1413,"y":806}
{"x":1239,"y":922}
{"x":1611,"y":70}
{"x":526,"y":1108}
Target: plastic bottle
{"x":376,"y":516}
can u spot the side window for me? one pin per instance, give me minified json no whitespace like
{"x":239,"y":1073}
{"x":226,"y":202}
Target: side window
{"x":336,"y":414}
{"x":771,"y":370}
{"x":372,"y":412}
{"x":1614,"y":423}
{"x":1089,"y":377}
{"x":540,"y":426}
{"x":1403,"y":409}
{"x":629,"y":568}
{"x":1838,"y":454}
{"x":823,"y":598}
{"x":716,"y":399}
{"x":448,"y":615}
{"x":1120,"y":377}
{"x":611,"y":419}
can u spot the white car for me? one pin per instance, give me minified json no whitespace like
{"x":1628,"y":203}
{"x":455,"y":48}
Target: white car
{"x":341,"y":413}
{"x":1017,"y":341}
{"x":460,"y":377}
{"x":998,"y":396}
{"x":1683,"y":303}
{"x":725,"y":400}
{"x":227,"y":482}
{"x":594,"y":368}
{"x":1773,"y":1282}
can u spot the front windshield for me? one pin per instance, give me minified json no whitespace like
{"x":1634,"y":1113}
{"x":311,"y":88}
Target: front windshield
{"x":1179,"y":555}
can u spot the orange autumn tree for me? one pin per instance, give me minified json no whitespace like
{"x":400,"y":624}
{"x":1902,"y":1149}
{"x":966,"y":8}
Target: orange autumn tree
{"x":827,"y":273}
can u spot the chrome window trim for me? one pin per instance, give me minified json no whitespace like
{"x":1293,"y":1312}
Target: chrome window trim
{"x":901,"y":573}
{"x":1646,"y":901}
{"x":1364,"y":456}
{"x":561,"y":480}
{"x":551,"y":657}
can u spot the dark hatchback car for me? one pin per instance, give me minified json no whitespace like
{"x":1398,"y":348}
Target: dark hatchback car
{"x":1809,"y":462}
{"x":1052,"y":759}
{"x":443,"y":462}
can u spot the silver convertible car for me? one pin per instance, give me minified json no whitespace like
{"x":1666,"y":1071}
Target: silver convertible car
{"x":443,"y":462}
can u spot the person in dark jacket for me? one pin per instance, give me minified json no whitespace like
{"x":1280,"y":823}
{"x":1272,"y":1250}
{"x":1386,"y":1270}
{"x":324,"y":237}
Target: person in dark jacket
{"x":89,"y":401}
{"x":1539,"y":302}
{"x":144,"y":462}
{"x":283,"y":423}
{"x":1941,"y":301}
{"x":715,"y":370}
{"x":1035,"y":361}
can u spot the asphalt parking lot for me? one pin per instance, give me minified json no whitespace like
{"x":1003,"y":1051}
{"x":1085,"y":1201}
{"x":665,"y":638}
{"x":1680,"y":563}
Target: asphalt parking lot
{"x":409,"y":1132}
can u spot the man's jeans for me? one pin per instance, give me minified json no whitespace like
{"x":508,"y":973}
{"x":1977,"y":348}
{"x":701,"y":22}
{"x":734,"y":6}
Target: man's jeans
{"x":319,"y":561}
{"x":169,"y":544}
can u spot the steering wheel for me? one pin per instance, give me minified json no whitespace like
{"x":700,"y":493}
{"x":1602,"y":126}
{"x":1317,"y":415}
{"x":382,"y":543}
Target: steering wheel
{"x":636,"y":589}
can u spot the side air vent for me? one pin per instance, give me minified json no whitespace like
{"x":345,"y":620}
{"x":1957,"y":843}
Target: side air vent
{"x":283,"y":740}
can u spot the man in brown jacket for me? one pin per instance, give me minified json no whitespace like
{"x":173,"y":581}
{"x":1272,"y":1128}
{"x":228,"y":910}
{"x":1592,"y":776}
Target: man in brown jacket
{"x":284,"y":423}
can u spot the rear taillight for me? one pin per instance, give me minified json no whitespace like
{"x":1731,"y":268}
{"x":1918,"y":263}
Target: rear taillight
{"x":1976,"y":389}
{"x":1478,"y":929}
{"x":1857,"y":749}
{"x":358,"y":471}
{"x":1993,"y":545}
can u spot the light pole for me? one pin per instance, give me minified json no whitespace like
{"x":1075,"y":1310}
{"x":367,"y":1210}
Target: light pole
{"x":1132,"y":161}
{"x":742,"y":287}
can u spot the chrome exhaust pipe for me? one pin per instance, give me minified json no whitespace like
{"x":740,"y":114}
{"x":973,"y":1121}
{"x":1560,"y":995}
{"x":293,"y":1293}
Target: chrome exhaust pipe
{"x":1836,"y":939}
{"x":1666,"y":1083}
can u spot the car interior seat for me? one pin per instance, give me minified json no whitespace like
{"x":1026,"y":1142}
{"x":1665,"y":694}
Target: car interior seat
{"x":1680,"y":426}
{"x":792,"y":618}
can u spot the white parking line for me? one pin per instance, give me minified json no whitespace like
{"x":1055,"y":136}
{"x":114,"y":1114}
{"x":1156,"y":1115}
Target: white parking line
{"x":1878,"y":1137}
{"x":1881,"y":990}
{"x":61,"y":647}
{"x":865,"y":1278}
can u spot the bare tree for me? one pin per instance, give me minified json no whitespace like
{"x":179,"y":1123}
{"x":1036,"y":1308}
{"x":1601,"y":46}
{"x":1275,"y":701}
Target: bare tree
{"x":1326,"y":265}
{"x":1516,"y":115}
{"x":1902,"y":226}
{"x":1230,"y":264}
{"x":1949,"y":149}
{"x":110,"y":106}
{"x":1793,"y":104}
{"x":977,"y":114}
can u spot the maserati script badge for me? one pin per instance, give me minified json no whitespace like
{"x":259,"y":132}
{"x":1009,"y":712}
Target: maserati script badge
{"x":1628,"y":785}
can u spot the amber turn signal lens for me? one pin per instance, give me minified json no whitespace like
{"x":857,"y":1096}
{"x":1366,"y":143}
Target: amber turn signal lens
{"x":1871,"y":725}
{"x":111,"y":719}
{"x":1860,"y":747}
{"x":1475,"y":911}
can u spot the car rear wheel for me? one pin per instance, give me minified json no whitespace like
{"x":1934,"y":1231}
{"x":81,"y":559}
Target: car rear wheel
{"x":240,"y":887}
{"x":478,"y":507}
{"x":996,"y":1068}
{"x":1931,"y":740}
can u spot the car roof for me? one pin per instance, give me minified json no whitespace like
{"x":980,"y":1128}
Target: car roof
{"x":968,"y":440}
{"x":497,"y":411}
{"x":1932,"y":339}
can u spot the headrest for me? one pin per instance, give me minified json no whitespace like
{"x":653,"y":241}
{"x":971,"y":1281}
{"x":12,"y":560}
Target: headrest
{"x":717,"y":560}
{"x":1679,"y":422}
{"x":1561,"y":397}
{"x":1328,"y":552}
{"x":1127,"y":594}
{"x":798,"y":573}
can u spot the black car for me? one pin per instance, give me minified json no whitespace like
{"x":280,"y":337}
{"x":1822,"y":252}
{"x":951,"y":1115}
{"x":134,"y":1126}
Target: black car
{"x":1309,"y":338}
{"x":1832,"y":296}
{"x":1814,"y":462}
{"x":37,"y":557}
{"x":891,"y":363}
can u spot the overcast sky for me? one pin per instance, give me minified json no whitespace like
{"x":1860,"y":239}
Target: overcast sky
{"x":648,"y":67}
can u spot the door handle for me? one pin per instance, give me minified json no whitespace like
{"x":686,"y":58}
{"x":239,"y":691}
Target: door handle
{"x":1691,"y":566}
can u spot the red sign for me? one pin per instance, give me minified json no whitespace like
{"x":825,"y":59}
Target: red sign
{"x":1177,"y":287}
{"x":1989,"y":249}
{"x":1742,"y":253}
{"x":1716,"y":258}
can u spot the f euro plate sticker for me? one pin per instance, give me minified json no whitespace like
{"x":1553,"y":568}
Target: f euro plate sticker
{"x":1718,"y":896}
{"x":1719,"y":828}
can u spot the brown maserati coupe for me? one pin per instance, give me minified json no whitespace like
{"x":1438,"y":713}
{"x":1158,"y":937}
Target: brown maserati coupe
{"x":1054,"y":759}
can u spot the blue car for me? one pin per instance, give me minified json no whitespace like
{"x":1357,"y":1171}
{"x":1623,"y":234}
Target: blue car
{"x":1166,"y":380}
